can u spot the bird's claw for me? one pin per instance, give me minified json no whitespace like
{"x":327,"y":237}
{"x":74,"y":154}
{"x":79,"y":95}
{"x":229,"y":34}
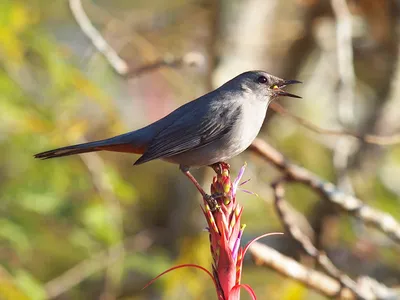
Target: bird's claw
{"x":212,"y":201}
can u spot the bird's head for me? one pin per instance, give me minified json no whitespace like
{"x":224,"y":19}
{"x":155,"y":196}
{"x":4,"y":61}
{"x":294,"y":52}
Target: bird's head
{"x":263,"y":85}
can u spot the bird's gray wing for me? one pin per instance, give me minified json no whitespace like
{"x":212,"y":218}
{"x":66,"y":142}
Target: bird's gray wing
{"x":191,"y":130}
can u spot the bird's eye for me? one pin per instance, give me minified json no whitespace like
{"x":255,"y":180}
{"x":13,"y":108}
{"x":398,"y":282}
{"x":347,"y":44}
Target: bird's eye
{"x":262,"y":79}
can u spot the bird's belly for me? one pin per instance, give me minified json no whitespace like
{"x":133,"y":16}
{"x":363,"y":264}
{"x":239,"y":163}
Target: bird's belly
{"x":232,"y":144}
{"x":216,"y":151}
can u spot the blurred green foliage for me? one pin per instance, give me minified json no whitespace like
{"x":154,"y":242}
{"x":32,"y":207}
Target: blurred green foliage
{"x":70,"y":217}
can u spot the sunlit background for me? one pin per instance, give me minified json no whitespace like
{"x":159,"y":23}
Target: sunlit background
{"x":95,"y":227}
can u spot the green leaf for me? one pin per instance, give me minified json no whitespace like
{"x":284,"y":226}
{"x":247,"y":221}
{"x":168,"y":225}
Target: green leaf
{"x":14,"y":234}
{"x":30,"y":285}
{"x":99,"y":221}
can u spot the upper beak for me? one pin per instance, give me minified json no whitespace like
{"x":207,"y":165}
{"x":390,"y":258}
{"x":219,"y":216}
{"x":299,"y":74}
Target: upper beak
{"x":278,"y":88}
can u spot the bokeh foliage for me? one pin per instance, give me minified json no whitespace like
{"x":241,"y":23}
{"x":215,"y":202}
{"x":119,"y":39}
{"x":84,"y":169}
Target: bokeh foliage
{"x":55,"y":89}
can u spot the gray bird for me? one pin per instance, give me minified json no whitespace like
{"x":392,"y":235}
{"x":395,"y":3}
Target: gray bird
{"x":205,"y":131}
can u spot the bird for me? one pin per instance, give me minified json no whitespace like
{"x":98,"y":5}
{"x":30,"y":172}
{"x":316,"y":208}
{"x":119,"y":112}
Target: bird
{"x":206,"y":131}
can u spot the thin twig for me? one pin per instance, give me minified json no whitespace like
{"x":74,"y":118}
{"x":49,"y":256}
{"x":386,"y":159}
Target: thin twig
{"x":188,"y":59}
{"x":116,"y":62}
{"x":344,"y":47}
{"x":383,"y":221}
{"x":94,"y":264}
{"x":368,"y":138}
{"x":324,"y":284}
{"x":323,"y":260}
{"x":105,"y":190}
{"x":81,"y":271}
{"x":98,"y":41}
{"x":318,"y":281}
{"x":344,"y":148}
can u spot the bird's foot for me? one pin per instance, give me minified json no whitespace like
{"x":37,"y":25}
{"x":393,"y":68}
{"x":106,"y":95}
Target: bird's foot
{"x":212,"y":201}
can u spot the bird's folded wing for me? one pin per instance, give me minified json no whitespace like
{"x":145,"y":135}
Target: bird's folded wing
{"x":191,"y":131}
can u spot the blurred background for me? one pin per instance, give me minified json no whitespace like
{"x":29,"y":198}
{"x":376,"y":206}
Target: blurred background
{"x":95,"y":227}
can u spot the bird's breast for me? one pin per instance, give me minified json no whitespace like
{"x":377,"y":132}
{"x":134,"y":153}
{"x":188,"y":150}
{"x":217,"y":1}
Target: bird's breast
{"x":249,"y":125}
{"x":241,"y":134}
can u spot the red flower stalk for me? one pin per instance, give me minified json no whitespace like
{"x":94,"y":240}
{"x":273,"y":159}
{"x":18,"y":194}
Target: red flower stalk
{"x":225,"y":232}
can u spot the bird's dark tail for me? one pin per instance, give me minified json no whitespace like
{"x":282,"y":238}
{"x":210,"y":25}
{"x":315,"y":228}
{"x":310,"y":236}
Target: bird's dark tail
{"x":128,"y":143}
{"x":69,"y":150}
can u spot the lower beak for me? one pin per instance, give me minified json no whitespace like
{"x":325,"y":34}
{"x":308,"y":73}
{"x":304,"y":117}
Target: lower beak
{"x":278,"y":89}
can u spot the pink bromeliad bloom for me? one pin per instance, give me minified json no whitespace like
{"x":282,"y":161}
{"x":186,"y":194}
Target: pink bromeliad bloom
{"x":225,"y":231}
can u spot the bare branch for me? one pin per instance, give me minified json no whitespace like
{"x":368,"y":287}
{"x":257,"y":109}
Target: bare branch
{"x":188,"y":59}
{"x":116,"y":62}
{"x":324,"y":284}
{"x":105,"y":190}
{"x":95,"y":263}
{"x":83,"y":270}
{"x":320,"y":282}
{"x":119,"y":65}
{"x":344,"y":148}
{"x":383,"y":221}
{"x":344,"y":48}
{"x":368,"y":138}
{"x":323,"y":260}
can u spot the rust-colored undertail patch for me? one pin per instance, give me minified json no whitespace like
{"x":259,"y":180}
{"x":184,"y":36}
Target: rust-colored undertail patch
{"x":126,"y":148}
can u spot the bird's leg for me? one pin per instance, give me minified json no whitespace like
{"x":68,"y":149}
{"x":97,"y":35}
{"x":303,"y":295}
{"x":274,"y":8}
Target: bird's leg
{"x":185,"y":170}
{"x":209,"y":199}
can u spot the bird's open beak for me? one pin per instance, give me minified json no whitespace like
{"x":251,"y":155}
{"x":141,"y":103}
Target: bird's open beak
{"x":278,"y":88}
